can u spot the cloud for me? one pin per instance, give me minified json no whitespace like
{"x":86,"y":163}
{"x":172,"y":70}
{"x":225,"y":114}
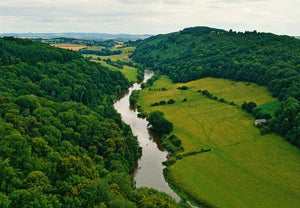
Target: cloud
{"x":144,"y":16}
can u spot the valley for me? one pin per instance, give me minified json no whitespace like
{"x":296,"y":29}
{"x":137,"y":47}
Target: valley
{"x":208,"y":88}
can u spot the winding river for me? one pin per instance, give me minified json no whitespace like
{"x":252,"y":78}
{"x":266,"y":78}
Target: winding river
{"x":149,"y":170}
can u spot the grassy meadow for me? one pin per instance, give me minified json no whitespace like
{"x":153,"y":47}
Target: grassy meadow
{"x":129,"y":72}
{"x":126,"y":51}
{"x":245,"y":169}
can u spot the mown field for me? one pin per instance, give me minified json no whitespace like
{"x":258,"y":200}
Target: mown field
{"x":245,"y":169}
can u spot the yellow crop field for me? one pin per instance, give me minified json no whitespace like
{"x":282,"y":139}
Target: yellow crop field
{"x":245,"y":168}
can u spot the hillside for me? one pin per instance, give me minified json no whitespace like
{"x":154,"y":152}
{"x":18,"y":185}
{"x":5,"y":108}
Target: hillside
{"x":61,"y":142}
{"x":263,"y":58}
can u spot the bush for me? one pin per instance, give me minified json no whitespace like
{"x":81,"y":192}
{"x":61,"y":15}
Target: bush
{"x":155,"y":104}
{"x":169,"y":162}
{"x":162,"y":102}
{"x":183,"y":88}
{"x":171,"y":101}
{"x":175,"y":140}
{"x":142,"y":115}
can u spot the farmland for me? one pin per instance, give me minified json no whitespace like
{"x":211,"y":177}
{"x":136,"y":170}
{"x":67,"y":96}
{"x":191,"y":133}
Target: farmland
{"x":124,"y":55}
{"x":245,"y":168}
{"x":73,"y":47}
{"x":129,"y":72}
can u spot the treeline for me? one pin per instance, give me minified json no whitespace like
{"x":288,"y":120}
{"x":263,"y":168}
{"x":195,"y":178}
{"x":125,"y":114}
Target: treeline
{"x":263,"y":58}
{"x":61,"y":142}
{"x":102,"y":52}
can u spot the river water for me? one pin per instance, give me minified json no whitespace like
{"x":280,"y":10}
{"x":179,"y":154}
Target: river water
{"x":149,"y":170}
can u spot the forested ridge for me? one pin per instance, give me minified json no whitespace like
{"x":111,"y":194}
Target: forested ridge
{"x":61,"y":142}
{"x":263,"y":58}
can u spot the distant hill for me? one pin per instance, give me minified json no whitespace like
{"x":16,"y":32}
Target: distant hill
{"x":86,"y":36}
{"x":263,"y":58}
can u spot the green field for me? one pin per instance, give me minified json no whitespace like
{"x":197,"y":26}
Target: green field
{"x":130,"y":73}
{"x":245,"y":169}
{"x":95,"y":48}
{"x":124,"y":55}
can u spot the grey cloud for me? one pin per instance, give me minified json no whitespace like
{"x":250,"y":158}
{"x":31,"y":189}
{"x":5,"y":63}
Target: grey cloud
{"x":147,"y":16}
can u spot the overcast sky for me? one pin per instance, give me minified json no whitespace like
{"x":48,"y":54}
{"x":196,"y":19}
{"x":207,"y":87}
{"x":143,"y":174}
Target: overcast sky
{"x":148,"y":16}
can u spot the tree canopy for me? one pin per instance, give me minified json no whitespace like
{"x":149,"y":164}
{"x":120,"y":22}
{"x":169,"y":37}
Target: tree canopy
{"x":61,"y":142}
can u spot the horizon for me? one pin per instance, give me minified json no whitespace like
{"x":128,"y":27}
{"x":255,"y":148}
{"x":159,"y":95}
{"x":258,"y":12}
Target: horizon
{"x":139,"y":17}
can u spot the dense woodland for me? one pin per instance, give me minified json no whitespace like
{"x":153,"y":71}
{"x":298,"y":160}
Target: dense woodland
{"x":61,"y":142}
{"x":263,"y":58}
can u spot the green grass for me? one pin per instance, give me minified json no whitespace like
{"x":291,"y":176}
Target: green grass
{"x":245,"y":169}
{"x":271,"y":107}
{"x":130,"y":73}
{"x":124,"y":55}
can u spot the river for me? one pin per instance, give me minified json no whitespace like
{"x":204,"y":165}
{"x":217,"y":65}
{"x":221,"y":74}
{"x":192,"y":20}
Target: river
{"x":149,"y":170}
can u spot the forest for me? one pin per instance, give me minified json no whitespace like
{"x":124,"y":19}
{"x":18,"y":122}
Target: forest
{"x":62,"y":144}
{"x":264,"y":58}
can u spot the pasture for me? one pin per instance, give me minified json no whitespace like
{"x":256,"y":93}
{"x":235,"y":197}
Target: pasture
{"x":245,"y":168}
{"x":122,"y":57}
{"x":130,"y":73}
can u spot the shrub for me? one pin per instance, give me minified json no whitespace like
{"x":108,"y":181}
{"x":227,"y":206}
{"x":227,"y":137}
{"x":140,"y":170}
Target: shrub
{"x":171,"y":101}
{"x":169,"y":162}
{"x":183,"y":88}
{"x":175,"y":140}
{"x":162,"y":102}
{"x":155,"y":104}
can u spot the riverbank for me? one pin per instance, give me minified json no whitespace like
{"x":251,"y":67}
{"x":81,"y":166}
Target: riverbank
{"x":149,"y":172}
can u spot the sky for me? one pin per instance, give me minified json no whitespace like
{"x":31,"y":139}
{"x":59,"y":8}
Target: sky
{"x":281,"y":17}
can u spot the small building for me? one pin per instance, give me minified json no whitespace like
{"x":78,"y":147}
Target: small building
{"x":260,"y":121}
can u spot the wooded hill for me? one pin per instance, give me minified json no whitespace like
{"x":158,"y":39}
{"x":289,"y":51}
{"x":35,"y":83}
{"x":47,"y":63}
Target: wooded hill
{"x":61,"y":142}
{"x":263,"y":58}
